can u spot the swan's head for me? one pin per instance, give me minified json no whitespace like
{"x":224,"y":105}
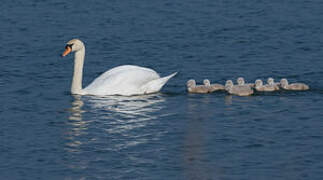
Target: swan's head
{"x":206,"y":82}
{"x":228,"y":84}
{"x":270,"y":81}
{"x":72,"y":46}
{"x":191,"y":83}
{"x":258,"y":83}
{"x":240,"y":81}
{"x":283,"y":82}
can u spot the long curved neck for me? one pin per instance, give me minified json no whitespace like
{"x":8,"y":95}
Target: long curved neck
{"x":78,"y":71}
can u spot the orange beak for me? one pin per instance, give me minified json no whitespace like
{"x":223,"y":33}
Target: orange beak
{"x":67,"y":51}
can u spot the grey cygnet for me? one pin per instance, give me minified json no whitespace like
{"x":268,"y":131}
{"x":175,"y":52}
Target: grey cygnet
{"x":266,"y":88}
{"x":241,"y":81}
{"x":212,"y":87}
{"x":294,"y":86}
{"x":239,"y":90}
{"x":193,"y":88}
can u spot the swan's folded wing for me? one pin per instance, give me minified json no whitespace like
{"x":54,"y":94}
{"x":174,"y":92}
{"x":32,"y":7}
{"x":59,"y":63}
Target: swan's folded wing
{"x":124,"y":80}
{"x":155,"y":85}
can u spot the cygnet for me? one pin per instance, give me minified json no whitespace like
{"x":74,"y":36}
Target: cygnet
{"x":241,"y":81}
{"x":212,"y":87}
{"x":265,"y":88}
{"x":239,"y":90}
{"x":271,"y":82}
{"x":193,"y":88}
{"x":294,"y":86}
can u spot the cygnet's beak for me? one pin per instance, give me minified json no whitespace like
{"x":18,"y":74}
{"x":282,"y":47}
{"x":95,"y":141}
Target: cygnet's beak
{"x":68,"y":49}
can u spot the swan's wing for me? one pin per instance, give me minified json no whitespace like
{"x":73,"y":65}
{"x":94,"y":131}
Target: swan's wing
{"x":122,"y":80}
{"x":121,"y":69}
{"x":155,"y":85}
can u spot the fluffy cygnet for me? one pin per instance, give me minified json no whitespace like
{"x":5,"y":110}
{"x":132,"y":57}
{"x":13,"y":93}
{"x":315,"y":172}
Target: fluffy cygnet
{"x":241,"y":81}
{"x":193,"y":88}
{"x":212,"y":87}
{"x":294,"y":86}
{"x":266,"y":88}
{"x":271,"y":82}
{"x":239,"y":90}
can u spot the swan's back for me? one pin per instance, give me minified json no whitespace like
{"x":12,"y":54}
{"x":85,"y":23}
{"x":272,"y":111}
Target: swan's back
{"x":122,"y":80}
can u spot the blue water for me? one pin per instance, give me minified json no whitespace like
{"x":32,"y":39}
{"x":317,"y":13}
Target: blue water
{"x":46,"y":133}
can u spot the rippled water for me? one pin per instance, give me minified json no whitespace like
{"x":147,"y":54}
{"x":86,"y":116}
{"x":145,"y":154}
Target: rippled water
{"x":46,"y":133}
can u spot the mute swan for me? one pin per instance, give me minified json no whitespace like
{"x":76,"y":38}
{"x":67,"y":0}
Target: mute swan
{"x":239,"y":90}
{"x":212,"y":87}
{"x":294,"y":86}
{"x":193,"y":88}
{"x":124,"y":80}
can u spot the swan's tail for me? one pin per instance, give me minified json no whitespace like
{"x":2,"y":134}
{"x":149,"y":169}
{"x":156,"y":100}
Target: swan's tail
{"x":155,"y":85}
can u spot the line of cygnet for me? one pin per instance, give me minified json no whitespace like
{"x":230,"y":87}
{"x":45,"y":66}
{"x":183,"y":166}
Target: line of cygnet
{"x":244,"y":89}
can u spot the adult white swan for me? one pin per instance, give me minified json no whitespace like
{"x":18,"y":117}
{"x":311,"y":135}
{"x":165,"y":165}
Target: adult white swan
{"x":124,"y":80}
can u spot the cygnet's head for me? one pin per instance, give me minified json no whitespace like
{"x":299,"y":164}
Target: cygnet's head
{"x":283,"y":82}
{"x":258,"y":83}
{"x":206,"y":82}
{"x":228,"y":84}
{"x":240,"y":81}
{"x":270,"y":81}
{"x":72,"y":46}
{"x":191,"y":83}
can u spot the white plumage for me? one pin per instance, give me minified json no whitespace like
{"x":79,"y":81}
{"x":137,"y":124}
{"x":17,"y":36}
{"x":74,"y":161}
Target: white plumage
{"x":124,"y":80}
{"x":127,"y":80}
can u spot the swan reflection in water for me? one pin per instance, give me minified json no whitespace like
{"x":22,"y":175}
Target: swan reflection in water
{"x":122,"y":118}
{"x":108,"y":125}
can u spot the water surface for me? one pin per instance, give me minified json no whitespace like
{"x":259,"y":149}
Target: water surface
{"x":46,"y":133}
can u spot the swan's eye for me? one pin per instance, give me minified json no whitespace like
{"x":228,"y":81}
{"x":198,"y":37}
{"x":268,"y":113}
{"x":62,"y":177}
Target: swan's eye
{"x":68,"y":45}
